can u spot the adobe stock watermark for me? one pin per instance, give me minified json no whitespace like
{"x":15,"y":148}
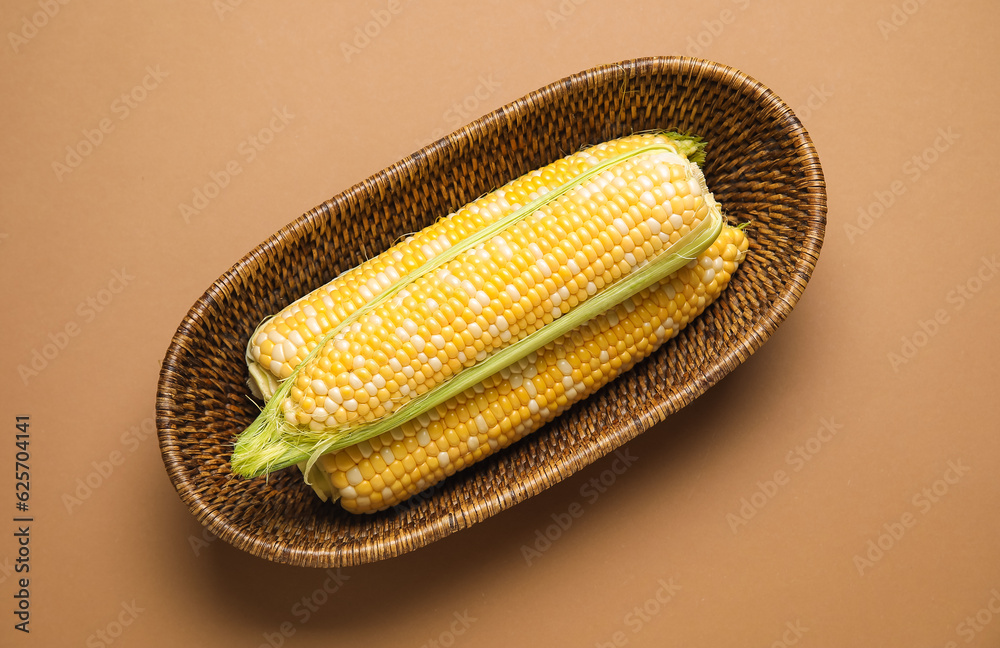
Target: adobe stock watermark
{"x":102,"y":469}
{"x":200,"y":541}
{"x":815,"y":100}
{"x":366,"y":33}
{"x":790,"y":636}
{"x":305,"y":608}
{"x":463,"y":111}
{"x":912,"y":170}
{"x":893,"y":531}
{"x":86,"y":312}
{"x":114,"y":629}
{"x":562,"y":11}
{"x":899,"y":16}
{"x":456,"y":627}
{"x":225,"y":7}
{"x":640,"y":615}
{"x":247,"y":151}
{"x":32,"y":23}
{"x":7,"y":569}
{"x":590,"y":493}
{"x":121,"y":107}
{"x":975,"y":623}
{"x":698,"y":43}
{"x":956,"y":298}
{"x":796,"y":459}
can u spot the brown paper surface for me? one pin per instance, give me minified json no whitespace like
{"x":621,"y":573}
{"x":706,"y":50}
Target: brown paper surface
{"x":838,"y":489}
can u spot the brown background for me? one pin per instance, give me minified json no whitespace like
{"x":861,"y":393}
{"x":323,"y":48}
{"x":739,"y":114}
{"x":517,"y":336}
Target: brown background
{"x":873,"y":93}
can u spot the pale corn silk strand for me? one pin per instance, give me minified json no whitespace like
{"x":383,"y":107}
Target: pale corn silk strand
{"x":273,"y":443}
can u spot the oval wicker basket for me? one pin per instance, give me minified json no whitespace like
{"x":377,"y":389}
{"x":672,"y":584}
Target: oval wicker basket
{"x":762,"y":167}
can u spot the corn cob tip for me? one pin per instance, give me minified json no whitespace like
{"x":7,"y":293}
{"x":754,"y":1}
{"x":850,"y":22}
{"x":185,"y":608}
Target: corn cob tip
{"x":690,"y":146}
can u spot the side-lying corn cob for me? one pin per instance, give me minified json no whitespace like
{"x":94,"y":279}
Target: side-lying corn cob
{"x":283,"y":341}
{"x":386,"y":347}
{"x":383,"y":471}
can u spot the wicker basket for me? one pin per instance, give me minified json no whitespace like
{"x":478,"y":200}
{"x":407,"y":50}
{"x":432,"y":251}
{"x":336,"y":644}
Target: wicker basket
{"x":761,"y":166}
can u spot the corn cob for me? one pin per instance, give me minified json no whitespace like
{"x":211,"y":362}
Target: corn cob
{"x":383,"y":471}
{"x":283,"y":341}
{"x":511,"y":272}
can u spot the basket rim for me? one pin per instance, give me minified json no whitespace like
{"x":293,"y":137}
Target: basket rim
{"x":475,"y":511}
